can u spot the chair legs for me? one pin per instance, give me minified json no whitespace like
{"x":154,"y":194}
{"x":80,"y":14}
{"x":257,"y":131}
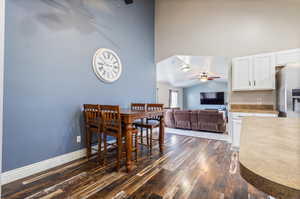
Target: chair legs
{"x":151,"y":141}
{"x":119,"y":152}
{"x":136,"y":147}
{"x":147,"y":137}
{"x":142,"y":136}
{"x":99,"y":135}
{"x":88,"y":143}
{"x":142,"y":120}
{"x":105,"y":148}
{"x":119,"y":148}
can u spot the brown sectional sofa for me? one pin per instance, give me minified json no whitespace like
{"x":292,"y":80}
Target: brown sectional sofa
{"x":169,"y":118}
{"x":199,"y":120}
{"x":182,"y":119}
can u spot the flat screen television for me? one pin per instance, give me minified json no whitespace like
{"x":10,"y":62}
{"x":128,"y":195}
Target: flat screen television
{"x":216,"y":98}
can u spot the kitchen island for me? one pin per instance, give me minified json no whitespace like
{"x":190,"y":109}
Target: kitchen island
{"x":270,"y":155}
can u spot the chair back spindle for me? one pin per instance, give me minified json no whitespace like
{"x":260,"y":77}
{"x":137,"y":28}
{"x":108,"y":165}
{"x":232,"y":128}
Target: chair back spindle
{"x":111,"y":118}
{"x":91,"y":113}
{"x":138,"y":107}
{"x":154,"y":107}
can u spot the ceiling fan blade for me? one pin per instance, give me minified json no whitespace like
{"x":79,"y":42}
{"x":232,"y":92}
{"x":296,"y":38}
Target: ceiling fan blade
{"x":212,"y":74}
{"x":195,"y":75}
{"x":214,"y":77}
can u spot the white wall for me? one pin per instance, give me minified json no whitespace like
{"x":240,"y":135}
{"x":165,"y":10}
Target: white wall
{"x":225,"y":28}
{"x":2,"y":6}
{"x":163,"y":94}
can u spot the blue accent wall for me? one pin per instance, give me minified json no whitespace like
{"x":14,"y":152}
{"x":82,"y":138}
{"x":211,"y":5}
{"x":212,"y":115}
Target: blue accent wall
{"x":48,"y":71}
{"x":191,"y":95}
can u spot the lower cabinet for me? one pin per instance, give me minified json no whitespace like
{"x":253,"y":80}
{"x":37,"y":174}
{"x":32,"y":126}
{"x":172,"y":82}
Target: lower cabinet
{"x":235,"y":123}
{"x":236,"y":132}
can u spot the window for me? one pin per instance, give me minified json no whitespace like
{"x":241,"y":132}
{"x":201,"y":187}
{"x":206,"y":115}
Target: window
{"x":173,"y":99}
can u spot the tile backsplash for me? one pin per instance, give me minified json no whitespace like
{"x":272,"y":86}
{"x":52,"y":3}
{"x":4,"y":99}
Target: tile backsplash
{"x":253,"y":97}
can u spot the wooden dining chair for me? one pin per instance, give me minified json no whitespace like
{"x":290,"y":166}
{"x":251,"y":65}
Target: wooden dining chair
{"x":151,"y":123}
{"x":92,"y":116}
{"x":140,"y":107}
{"x":112,"y":126}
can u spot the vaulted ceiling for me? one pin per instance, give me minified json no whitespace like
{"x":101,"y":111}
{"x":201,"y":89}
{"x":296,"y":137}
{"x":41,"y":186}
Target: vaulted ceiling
{"x":169,"y":71}
{"x":225,"y":28}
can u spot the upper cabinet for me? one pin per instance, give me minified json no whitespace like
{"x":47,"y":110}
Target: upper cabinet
{"x":257,"y":72}
{"x":253,"y":73}
{"x":264,"y":72}
{"x":242,"y":73}
{"x":287,"y":57}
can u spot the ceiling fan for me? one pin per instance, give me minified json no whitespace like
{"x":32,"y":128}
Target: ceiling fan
{"x":205,"y":76}
{"x":185,"y":68}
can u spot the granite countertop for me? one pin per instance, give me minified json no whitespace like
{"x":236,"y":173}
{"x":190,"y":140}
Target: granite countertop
{"x":270,"y":155}
{"x":254,"y":111}
{"x":253,"y":108}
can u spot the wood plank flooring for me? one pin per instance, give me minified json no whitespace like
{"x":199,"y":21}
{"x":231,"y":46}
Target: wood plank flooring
{"x":190,"y":168}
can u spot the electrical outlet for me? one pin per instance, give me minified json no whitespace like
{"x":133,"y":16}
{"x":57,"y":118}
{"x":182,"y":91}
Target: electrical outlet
{"x":78,"y":139}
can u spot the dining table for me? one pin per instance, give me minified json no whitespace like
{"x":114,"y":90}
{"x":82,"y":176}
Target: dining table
{"x":128,"y":117}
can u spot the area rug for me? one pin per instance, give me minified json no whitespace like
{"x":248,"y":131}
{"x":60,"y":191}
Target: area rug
{"x":199,"y":134}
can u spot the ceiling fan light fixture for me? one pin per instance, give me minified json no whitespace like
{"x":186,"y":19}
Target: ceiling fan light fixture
{"x":203,"y":79}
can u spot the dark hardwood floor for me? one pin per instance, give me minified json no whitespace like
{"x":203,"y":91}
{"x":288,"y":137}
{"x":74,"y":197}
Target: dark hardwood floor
{"x":190,"y":168}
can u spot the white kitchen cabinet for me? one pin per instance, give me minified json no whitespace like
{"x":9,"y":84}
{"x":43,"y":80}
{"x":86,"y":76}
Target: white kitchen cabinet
{"x":235,"y":120}
{"x":264,"y":72}
{"x":236,"y":133}
{"x":241,"y":73}
{"x":254,"y":73}
{"x":287,"y":57}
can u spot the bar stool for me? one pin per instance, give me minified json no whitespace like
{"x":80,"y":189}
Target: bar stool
{"x":140,"y":107}
{"x":92,"y":120}
{"x":151,"y":123}
{"x":112,"y":126}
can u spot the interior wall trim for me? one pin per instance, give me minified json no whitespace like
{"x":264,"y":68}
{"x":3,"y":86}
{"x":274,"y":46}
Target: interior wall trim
{"x":2,"y":32}
{"x":23,"y":172}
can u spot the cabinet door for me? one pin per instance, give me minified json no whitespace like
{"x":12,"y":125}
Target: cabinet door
{"x":242,"y":73}
{"x":236,"y":133}
{"x":264,"y":72}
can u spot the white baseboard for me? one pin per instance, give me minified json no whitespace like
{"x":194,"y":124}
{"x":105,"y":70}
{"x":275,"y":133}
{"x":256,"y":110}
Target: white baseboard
{"x":23,"y":172}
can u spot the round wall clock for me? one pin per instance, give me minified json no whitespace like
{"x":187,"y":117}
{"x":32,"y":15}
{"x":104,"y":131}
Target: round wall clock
{"x":107,"y":65}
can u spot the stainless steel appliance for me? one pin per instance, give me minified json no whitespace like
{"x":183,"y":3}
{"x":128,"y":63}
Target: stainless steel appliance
{"x":288,"y":90}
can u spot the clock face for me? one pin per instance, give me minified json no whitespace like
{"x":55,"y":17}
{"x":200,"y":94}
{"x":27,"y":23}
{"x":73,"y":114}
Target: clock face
{"x":107,"y":65}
